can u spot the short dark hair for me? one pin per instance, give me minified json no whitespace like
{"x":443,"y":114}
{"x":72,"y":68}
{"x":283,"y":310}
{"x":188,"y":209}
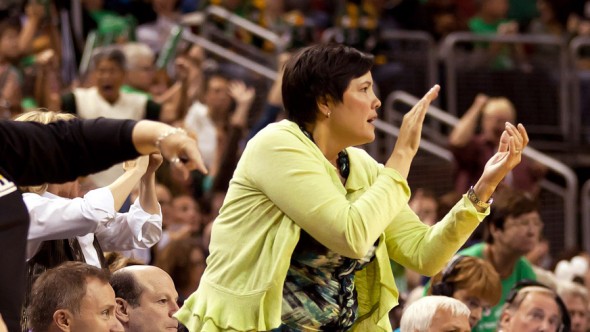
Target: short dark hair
{"x":112,"y":54}
{"x":126,"y":287}
{"x":511,"y":203}
{"x":317,"y":72}
{"x":62,"y":287}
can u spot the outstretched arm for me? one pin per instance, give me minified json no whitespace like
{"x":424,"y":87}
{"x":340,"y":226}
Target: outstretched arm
{"x":141,"y":227}
{"x":147,"y":186}
{"x":34,"y":153}
{"x":465,"y":129}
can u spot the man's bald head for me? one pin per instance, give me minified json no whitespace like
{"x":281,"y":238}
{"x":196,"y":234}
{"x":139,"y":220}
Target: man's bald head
{"x":146,"y":298}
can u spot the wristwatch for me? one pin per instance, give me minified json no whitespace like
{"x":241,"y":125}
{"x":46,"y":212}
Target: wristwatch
{"x":473,"y":198}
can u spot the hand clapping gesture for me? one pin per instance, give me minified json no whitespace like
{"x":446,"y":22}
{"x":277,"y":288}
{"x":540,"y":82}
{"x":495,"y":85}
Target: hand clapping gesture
{"x":410,"y":132}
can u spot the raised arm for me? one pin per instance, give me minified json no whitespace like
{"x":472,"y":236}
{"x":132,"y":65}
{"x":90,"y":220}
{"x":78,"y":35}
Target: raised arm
{"x":427,"y":249}
{"x":35,"y":13}
{"x":408,"y":141}
{"x":141,"y":227}
{"x":147,"y":186}
{"x":465,"y":129}
{"x":34,"y":153}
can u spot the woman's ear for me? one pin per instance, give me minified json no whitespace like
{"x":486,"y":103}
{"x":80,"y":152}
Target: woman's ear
{"x":324,"y":105}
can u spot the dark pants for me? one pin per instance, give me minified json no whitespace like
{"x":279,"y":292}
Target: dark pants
{"x":14,"y":226}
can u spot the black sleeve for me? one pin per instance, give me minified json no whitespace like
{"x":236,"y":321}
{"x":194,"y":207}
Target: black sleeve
{"x":152,"y":110}
{"x":33,"y":153}
{"x":68,"y":103}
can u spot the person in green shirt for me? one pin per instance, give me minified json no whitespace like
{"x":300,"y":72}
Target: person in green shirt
{"x":309,"y":224}
{"x":513,"y":229}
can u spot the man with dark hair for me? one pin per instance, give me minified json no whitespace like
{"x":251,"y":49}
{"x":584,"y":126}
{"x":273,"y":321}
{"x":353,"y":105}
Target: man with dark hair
{"x":513,"y":229}
{"x":87,"y":305}
{"x":146,"y":299}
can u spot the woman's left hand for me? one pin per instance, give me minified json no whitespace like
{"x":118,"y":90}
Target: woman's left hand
{"x":512,"y":143}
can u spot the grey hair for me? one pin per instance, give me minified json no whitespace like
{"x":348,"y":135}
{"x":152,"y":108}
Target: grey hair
{"x":417,"y":317}
{"x":135,"y":51}
{"x":572,"y":289}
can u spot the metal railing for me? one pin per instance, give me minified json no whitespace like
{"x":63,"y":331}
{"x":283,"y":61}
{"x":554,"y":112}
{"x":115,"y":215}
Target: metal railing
{"x":232,"y":56}
{"x":418,"y":50}
{"x":578,"y":126}
{"x":279,"y":41}
{"x":567,"y":193}
{"x":585,"y":207}
{"x":219,"y":25}
{"x":544,"y":83}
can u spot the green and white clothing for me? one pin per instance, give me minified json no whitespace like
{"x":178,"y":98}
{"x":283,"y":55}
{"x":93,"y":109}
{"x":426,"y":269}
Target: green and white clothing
{"x":522,"y":270}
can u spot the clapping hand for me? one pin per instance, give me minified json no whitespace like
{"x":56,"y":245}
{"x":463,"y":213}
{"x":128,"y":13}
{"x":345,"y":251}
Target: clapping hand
{"x":512,"y":143}
{"x":410,"y":132}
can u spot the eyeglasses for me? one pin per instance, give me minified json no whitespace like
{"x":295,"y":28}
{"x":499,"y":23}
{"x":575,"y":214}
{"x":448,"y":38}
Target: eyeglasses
{"x":473,"y":303}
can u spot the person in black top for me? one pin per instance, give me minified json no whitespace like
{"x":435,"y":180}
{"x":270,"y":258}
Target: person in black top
{"x":33,"y":153}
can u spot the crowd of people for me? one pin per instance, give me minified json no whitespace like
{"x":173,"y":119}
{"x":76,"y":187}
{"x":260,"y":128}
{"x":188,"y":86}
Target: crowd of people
{"x":144,"y":196}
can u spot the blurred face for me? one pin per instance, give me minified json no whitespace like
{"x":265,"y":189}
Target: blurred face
{"x":443,"y":321}
{"x":163,"y":7}
{"x":478,"y":306}
{"x":109,"y":78}
{"x":92,"y":4}
{"x":96,"y":309}
{"x":425,"y":208}
{"x":537,"y":312}
{"x":198,"y":261}
{"x":545,"y":12}
{"x":186,"y":211}
{"x":217,"y":97}
{"x":521,"y":234}
{"x":66,"y":190}
{"x":157,"y":303}
{"x":578,"y":311}
{"x":497,"y":8}
{"x":493,"y":122}
{"x":164,"y":198}
{"x":351,"y":121}
{"x":8,"y":40}
{"x":141,"y":74}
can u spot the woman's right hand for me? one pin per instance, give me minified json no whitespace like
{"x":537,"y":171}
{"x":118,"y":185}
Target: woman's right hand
{"x":410,"y":132}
